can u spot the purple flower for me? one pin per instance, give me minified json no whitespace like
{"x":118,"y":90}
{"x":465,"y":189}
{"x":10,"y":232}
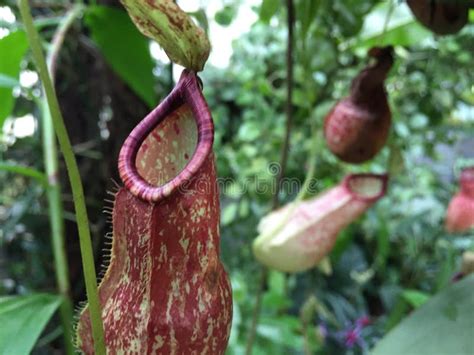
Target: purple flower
{"x":352,"y":334}
{"x":351,"y":337}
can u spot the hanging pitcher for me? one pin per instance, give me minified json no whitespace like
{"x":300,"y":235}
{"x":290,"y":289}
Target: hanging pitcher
{"x":460,"y":214}
{"x":358,"y":126}
{"x":297,"y":236}
{"x":165,"y":290}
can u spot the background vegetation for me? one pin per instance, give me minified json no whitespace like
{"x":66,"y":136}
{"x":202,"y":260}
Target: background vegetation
{"x":384,"y":266}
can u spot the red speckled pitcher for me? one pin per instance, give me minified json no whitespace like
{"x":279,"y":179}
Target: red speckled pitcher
{"x":358,"y":126}
{"x":165,"y":290}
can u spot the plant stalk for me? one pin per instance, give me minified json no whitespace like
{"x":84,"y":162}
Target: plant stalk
{"x":58,"y":39}
{"x":56,"y":221}
{"x":289,"y":100}
{"x":283,"y":161}
{"x":75,"y":180}
{"x":53,"y":192}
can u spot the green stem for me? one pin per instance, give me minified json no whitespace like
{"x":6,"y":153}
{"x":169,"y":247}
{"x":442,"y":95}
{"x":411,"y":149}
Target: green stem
{"x":75,"y":180}
{"x":289,"y":100}
{"x":313,"y":153}
{"x":56,"y":211}
{"x":301,"y":194}
{"x":56,"y":221}
{"x":58,"y":38}
{"x":290,"y":8}
{"x":256,"y":311}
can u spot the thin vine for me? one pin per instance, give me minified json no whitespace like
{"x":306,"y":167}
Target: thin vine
{"x":74,"y":177}
{"x":283,"y":161}
{"x":289,"y":100}
{"x":53,"y":192}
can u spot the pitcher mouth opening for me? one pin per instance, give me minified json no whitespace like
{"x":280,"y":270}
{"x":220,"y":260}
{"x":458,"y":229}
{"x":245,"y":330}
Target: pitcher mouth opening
{"x":366,"y":187}
{"x":167,"y":148}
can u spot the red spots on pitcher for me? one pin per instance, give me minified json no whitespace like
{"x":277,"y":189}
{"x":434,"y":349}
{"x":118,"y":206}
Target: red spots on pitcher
{"x":176,"y":128}
{"x":165,"y":290}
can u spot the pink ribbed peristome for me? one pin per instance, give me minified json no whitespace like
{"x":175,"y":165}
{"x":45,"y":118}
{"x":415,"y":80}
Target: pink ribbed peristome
{"x":187,"y":92}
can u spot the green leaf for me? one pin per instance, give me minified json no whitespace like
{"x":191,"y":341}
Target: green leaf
{"x":164,"y":21}
{"x":282,"y":330}
{"x":15,"y":44}
{"x":444,"y":325}
{"x":275,"y":301}
{"x":268,"y":9}
{"x":415,"y":298}
{"x":402,"y":29}
{"x":307,"y":13}
{"x":124,"y":48}
{"x":22,"y":320}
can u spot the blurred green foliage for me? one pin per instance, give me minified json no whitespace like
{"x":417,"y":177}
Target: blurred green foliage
{"x":107,"y":25}
{"x":449,"y":312}
{"x":388,"y":263}
{"x":23,"y":319}
{"x":15,"y":45}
